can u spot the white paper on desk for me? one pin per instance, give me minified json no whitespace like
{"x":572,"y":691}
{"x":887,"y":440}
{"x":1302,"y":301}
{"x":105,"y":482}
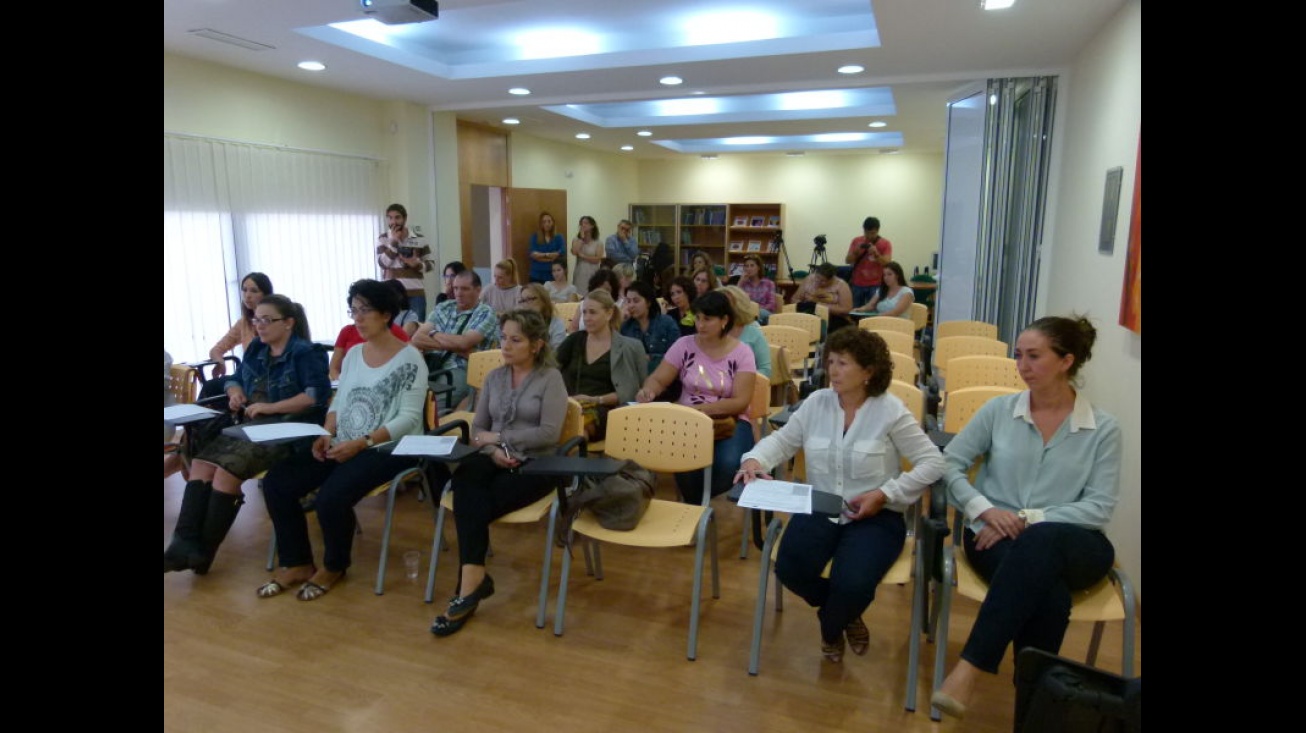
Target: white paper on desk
{"x":777,"y":496}
{"x":425,"y":445}
{"x":178,"y":412}
{"x":282,"y":430}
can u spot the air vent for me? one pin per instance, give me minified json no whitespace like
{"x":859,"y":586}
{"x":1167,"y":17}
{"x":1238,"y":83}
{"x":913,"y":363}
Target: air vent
{"x":213,"y":35}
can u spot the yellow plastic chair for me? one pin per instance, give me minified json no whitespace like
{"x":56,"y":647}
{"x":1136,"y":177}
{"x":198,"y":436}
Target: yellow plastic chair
{"x":903,"y":343}
{"x":479,"y":366}
{"x":983,"y":371}
{"x":904,"y":367}
{"x":920,"y":315}
{"x":1111,"y":599}
{"x":810,"y":323}
{"x":758,"y":412}
{"x":951,"y":347}
{"x":965,"y":328}
{"x":664,"y":438}
{"x":887,"y":323}
{"x":795,"y":343}
{"x":911,"y":396}
{"x":567,"y":312}
{"x":546,"y":506}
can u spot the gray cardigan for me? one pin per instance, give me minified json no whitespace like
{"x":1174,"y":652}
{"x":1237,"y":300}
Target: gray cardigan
{"x":529,"y":419}
{"x":628,"y":358}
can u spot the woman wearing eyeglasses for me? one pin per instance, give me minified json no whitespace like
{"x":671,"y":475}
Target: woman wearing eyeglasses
{"x":283,"y":373}
{"x":535,"y":297}
{"x":380,"y":398}
{"x":349,"y":337}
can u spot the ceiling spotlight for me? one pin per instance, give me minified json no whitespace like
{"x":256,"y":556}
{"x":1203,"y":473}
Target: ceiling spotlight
{"x":709,"y":157}
{"x":671,"y":81}
{"x":889,"y":151}
{"x":851,"y":69}
{"x":645,"y":133}
{"x":996,"y":4}
{"x":794,"y":154}
{"x":511,"y":121}
{"x":582,"y":136}
{"x":627,"y":147}
{"x":519,"y":91}
{"x":311,"y":65}
{"x":878,"y":123}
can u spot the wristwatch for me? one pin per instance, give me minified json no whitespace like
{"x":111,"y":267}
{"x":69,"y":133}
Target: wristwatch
{"x":368,"y":439}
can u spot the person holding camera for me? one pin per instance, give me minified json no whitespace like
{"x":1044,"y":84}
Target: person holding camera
{"x":402,"y":256}
{"x":868,"y":254}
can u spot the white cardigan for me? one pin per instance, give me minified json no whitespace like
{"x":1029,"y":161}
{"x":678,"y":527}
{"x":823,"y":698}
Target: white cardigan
{"x":864,"y":458}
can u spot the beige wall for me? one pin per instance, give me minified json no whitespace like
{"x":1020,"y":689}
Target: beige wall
{"x":598,"y":184}
{"x":1102,"y":131}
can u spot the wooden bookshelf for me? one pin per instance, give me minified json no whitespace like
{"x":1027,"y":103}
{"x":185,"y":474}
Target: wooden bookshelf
{"x":756,"y":226}
{"x":713,"y":229}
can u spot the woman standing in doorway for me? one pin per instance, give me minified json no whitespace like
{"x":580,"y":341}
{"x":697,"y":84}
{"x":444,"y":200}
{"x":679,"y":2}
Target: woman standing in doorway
{"x":547,"y":245}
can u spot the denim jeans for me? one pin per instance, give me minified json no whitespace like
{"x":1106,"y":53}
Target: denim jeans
{"x":862,"y":552}
{"x":862,"y":294}
{"x":1030,"y":580}
{"x":725,"y":462}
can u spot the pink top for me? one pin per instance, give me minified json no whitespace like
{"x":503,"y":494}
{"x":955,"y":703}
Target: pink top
{"x":242,"y":332}
{"x":705,"y":380}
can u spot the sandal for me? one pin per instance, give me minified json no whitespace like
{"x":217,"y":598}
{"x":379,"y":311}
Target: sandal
{"x":275,"y":587}
{"x":833,"y":652}
{"x":859,"y":637}
{"x":311,"y":591}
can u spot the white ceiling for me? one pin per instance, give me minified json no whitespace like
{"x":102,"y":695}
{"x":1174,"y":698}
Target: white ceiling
{"x":601,"y":61}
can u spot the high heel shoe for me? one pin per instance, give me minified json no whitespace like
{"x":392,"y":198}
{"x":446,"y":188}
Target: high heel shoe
{"x":859,"y":637}
{"x":461,"y":609}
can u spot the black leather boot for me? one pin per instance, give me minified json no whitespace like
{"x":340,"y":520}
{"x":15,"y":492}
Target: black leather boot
{"x":185,"y":542}
{"x":221,"y":514}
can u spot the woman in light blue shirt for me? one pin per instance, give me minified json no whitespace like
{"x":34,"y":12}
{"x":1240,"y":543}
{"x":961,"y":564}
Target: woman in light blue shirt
{"x":1039,"y":505}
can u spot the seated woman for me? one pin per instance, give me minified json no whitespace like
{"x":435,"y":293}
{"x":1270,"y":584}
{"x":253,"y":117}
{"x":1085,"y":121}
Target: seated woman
{"x":519,"y":412}
{"x":701,"y":261}
{"x":1039,"y":505}
{"x":535,"y":297}
{"x":408,"y":319}
{"x":380,"y":398}
{"x":503,"y":293}
{"x":704,"y":281}
{"x":760,"y":289}
{"x":853,"y":434}
{"x":893,"y":297}
{"x":283,"y":373}
{"x":603,"y":279}
{"x":254,"y":287}
{"x":645,"y":323}
{"x":601,"y":368}
{"x":716,"y":372}
{"x":680,"y":294}
{"x":559,"y":290}
{"x":825,"y":286}
{"x":451,"y":271}
{"x":625,"y":273}
{"x":349,"y":337}
{"x":746,"y":328}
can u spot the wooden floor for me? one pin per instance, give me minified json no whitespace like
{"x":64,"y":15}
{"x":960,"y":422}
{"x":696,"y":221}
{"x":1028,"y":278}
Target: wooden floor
{"x":355,"y":661}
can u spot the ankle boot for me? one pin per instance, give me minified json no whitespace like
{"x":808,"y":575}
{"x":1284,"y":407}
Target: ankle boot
{"x":190,"y":519}
{"x":222,"y":511}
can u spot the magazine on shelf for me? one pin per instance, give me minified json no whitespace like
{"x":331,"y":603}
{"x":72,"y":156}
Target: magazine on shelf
{"x":737,"y":246}
{"x":741,"y":221}
{"x":754,"y":245}
{"x":757,"y":221}
{"x":773,"y":220}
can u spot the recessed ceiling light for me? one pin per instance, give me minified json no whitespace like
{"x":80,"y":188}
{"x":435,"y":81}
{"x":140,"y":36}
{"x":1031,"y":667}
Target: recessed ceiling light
{"x":311,"y":65}
{"x":582,"y":136}
{"x":709,"y":157}
{"x":645,"y":133}
{"x":794,"y":154}
{"x":671,"y":81}
{"x":511,"y":121}
{"x":996,"y":4}
{"x":627,"y":147}
{"x":889,"y":151}
{"x":519,"y":91}
{"x":698,"y":92}
{"x":851,"y":69}
{"x":878,"y":123}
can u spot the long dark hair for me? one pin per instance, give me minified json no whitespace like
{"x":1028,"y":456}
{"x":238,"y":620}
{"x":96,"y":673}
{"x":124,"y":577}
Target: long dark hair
{"x":897,"y":270}
{"x":1074,"y":335}
{"x":264,"y":284}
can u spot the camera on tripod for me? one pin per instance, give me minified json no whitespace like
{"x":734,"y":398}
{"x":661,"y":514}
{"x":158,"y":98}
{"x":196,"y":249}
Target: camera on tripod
{"x":820,"y":241}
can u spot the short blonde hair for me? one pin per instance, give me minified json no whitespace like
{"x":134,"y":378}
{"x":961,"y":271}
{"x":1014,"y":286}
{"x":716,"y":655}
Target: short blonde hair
{"x":744,"y":307}
{"x":509,"y":266}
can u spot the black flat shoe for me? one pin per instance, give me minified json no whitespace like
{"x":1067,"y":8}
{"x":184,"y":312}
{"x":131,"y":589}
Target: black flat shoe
{"x":444,"y":627}
{"x":460,"y":607}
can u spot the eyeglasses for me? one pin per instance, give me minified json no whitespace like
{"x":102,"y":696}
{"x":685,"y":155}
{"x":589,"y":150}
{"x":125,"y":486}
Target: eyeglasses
{"x":264,"y":321}
{"x":360,"y":311}
{"x":527,"y":299}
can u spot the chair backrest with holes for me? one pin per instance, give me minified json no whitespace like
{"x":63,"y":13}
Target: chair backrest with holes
{"x":792,"y":339}
{"x":920,"y":315}
{"x":810,"y":324}
{"x":911,"y":396}
{"x":480,"y":364}
{"x":983,"y":371}
{"x":183,"y":382}
{"x":965,"y":328}
{"x":951,"y":347}
{"x":660,"y":436}
{"x":904,"y":367}
{"x":903,"y":343}
{"x":964,"y":403}
{"x":887,"y":323}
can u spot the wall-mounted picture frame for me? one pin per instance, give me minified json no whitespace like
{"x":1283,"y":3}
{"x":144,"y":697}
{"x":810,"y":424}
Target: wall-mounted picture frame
{"x":754,"y":245}
{"x":741,"y":221}
{"x":737,"y":246}
{"x":757,"y":221}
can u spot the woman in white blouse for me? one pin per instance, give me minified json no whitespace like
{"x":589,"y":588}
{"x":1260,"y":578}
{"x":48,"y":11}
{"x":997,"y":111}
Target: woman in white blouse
{"x":853,"y":434}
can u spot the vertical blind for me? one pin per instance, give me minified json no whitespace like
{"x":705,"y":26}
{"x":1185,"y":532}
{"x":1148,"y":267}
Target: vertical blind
{"x":306,"y":219}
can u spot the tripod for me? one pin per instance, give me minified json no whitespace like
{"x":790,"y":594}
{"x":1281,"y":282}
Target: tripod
{"x":818,"y":257}
{"x":780,"y":245}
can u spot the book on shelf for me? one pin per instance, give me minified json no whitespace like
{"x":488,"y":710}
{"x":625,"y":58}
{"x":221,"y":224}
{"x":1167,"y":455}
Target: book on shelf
{"x":737,"y":246}
{"x":754,"y":245}
{"x":757,"y":221}
{"x":639,"y":216}
{"x":741,"y":221}
{"x":773,"y":220}
{"x":771,"y":247}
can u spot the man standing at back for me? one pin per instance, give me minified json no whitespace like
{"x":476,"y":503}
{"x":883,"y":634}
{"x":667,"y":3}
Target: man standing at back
{"x":456,"y":328}
{"x":868,"y":254}
{"x":402,"y":256}
{"x":622,"y":247}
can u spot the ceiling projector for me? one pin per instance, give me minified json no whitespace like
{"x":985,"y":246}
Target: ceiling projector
{"x":399,"y":12}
